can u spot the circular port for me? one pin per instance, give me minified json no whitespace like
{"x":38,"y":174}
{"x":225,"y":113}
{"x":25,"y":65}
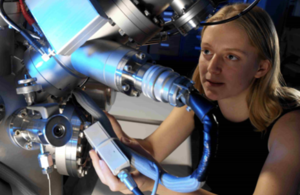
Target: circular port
{"x":59,"y":130}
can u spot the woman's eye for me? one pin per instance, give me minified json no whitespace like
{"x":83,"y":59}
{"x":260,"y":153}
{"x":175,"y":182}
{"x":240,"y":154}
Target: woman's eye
{"x":232,"y":57}
{"x":206,"y":51}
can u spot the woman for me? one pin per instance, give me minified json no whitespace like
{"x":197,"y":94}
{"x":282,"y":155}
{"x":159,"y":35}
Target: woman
{"x":259,"y":142}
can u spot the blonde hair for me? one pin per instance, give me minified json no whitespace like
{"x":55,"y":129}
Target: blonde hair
{"x":268,"y":95}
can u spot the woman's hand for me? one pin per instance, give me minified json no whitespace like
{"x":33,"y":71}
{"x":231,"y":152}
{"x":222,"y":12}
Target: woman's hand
{"x":114,"y":184}
{"x":103,"y":171}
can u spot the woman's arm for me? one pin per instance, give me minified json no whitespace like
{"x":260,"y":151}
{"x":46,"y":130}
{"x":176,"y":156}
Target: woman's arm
{"x":170,"y":134}
{"x":165,"y":191}
{"x":281,"y":171}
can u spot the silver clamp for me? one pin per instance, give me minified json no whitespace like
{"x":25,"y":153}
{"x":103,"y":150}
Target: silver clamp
{"x":29,"y":89}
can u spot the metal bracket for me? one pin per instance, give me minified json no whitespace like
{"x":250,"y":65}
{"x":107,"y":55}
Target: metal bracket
{"x":46,"y":110}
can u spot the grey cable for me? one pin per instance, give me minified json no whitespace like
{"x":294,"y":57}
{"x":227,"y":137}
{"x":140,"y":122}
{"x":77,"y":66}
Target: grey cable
{"x":49,"y":183}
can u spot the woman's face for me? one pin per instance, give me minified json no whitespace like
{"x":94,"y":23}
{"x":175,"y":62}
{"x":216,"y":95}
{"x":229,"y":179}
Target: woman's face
{"x":228,"y":62}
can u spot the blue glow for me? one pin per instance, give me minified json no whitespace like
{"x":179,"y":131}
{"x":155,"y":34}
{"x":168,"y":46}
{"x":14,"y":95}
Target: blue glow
{"x":73,"y":142}
{"x":168,"y":13}
{"x":137,"y":78}
{"x":63,"y":20}
{"x":167,"y":19}
{"x":39,"y":64}
{"x":198,"y":37}
{"x":119,"y":73}
{"x":164,"y":44}
{"x":197,"y":48}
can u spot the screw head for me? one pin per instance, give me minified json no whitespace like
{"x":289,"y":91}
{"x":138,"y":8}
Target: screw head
{"x":136,"y":93}
{"x":17,"y":132}
{"x":81,"y":135}
{"x":80,"y":170}
{"x":79,"y":148}
{"x":28,"y":146}
{"x":79,"y":161}
{"x":128,"y":68}
{"x":156,"y":20}
{"x":126,"y":87}
{"x":189,"y":109}
{"x":147,"y":13}
{"x":141,"y":56}
{"x":122,"y":33}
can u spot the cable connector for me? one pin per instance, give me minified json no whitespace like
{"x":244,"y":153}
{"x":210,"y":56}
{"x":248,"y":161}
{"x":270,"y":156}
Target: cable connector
{"x":107,"y":148}
{"x":126,"y":178}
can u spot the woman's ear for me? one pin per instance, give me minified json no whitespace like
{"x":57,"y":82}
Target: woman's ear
{"x":263,"y":68}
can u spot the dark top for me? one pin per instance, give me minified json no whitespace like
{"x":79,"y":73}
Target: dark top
{"x":240,"y":155}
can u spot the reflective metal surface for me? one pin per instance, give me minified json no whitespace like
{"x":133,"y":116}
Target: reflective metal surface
{"x":54,"y":75}
{"x":22,"y":161}
{"x":72,"y":159}
{"x":67,"y":24}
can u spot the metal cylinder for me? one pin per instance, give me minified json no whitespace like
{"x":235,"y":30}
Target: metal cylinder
{"x":55,"y":76}
{"x":191,"y":17}
{"x":101,"y":60}
{"x":180,"y":6}
{"x":69,"y":159}
{"x":29,"y":131}
{"x":156,"y":7}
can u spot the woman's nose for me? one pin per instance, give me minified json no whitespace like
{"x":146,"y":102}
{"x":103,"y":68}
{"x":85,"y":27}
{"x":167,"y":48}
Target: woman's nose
{"x":214,"y":65}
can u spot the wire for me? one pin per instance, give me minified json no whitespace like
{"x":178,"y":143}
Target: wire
{"x":49,"y":183}
{"x":157,"y":179}
{"x":137,"y":191}
{"x":24,"y":33}
{"x":234,"y":17}
{"x":86,"y":80}
{"x":6,"y":18}
{"x":28,"y":18}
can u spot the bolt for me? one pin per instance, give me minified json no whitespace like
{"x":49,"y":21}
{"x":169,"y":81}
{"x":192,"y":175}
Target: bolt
{"x":17,"y":133}
{"x":155,"y":20}
{"x":130,"y":39}
{"x":28,"y":146}
{"x":80,"y":170}
{"x":136,"y":93}
{"x":111,"y":22}
{"x":85,"y":172}
{"x":141,"y":56}
{"x":128,"y":68}
{"x":122,"y":33}
{"x":79,"y":161}
{"x":147,"y":13}
{"x":189,"y":109}
{"x":79,"y":148}
{"x":81,"y":135}
{"x":126,"y":87}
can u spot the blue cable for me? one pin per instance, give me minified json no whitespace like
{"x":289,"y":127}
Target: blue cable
{"x":157,"y":179}
{"x":137,"y":191}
